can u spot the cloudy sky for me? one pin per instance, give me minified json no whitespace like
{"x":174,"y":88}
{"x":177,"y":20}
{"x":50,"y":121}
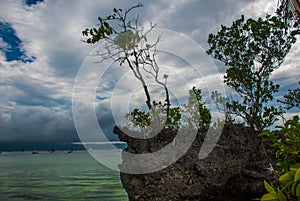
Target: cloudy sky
{"x":41,"y":54}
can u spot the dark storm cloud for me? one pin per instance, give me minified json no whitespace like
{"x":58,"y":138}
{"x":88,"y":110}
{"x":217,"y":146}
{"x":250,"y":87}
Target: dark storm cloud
{"x":106,"y":122}
{"x":66,"y":65}
{"x":36,"y":123}
{"x":37,"y":95}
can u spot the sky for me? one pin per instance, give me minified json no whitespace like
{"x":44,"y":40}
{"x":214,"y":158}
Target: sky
{"x":41,"y":55}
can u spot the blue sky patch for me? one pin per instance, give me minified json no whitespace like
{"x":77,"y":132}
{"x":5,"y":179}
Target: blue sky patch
{"x":100,"y":98}
{"x":32,"y":2}
{"x":12,"y":45}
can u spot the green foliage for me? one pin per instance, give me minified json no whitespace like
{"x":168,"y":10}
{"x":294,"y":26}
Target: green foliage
{"x":289,"y":186}
{"x":273,"y":194}
{"x":195,"y":113}
{"x":140,"y":119}
{"x":105,"y":29}
{"x":286,"y":142}
{"x":251,"y":50}
{"x":161,"y":115}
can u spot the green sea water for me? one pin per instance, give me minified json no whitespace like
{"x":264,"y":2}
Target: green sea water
{"x":59,"y":176}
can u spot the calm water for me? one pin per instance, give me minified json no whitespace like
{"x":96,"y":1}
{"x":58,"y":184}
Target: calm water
{"x":57,"y":177}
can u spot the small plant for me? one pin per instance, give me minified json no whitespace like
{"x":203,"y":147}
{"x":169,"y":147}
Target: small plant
{"x":222,"y":104}
{"x":138,"y":118}
{"x":194,"y":114}
{"x":290,"y":184}
{"x":286,"y":141}
{"x":141,"y":120}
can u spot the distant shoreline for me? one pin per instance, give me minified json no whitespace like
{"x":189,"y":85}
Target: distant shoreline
{"x":56,"y":146}
{"x":44,"y":152}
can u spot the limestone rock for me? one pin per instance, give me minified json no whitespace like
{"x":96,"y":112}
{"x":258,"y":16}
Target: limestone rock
{"x":233,"y":171}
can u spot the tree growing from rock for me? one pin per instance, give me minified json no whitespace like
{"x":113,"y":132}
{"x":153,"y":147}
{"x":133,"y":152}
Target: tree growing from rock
{"x":127,"y":44}
{"x":221,"y":104}
{"x":251,"y":50}
{"x":195,"y":114}
{"x":142,"y":120}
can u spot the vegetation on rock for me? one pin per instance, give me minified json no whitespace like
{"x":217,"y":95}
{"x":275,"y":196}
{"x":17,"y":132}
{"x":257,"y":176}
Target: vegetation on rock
{"x":286,"y":142}
{"x":251,"y":50}
{"x":127,"y":44}
{"x":194,"y":114}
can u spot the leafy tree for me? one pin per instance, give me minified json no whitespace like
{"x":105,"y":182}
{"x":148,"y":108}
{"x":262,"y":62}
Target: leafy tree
{"x":251,"y":50}
{"x":127,"y":44}
{"x":292,"y":99}
{"x":195,"y":113}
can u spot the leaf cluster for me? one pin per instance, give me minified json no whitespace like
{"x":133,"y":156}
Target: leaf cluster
{"x":127,"y":40}
{"x":289,"y":186}
{"x":142,"y":120}
{"x":105,"y":27}
{"x":138,"y":118}
{"x":286,"y":142}
{"x":194,"y":114}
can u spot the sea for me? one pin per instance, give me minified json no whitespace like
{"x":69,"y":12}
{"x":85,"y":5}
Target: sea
{"x":58,"y":176}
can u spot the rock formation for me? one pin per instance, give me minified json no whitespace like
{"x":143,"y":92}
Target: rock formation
{"x":233,"y":171}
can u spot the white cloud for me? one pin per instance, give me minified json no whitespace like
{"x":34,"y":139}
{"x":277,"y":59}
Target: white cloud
{"x":288,"y":74}
{"x":51,"y":31}
{"x":3,"y":45}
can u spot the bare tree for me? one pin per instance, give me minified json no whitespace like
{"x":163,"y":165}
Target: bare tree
{"x":127,"y":43}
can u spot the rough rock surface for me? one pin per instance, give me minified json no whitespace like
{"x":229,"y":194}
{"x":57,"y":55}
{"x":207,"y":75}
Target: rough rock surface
{"x":233,"y":171}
